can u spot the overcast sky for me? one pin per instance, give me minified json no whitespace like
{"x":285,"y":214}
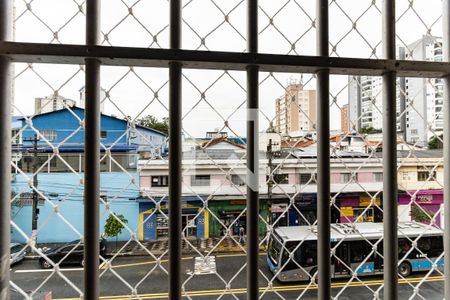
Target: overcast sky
{"x":133,"y":94}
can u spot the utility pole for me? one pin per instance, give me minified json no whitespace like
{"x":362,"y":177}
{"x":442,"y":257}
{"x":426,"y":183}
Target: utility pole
{"x":270,"y":155}
{"x":270,"y":167}
{"x":35,"y":196}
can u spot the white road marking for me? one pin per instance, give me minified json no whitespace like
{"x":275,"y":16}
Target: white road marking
{"x":47,"y":270}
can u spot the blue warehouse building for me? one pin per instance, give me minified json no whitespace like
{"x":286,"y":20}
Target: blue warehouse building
{"x":60,"y":177}
{"x":66,"y":126}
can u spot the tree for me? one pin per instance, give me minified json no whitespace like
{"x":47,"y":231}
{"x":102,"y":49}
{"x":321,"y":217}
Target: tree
{"x":113,"y":227}
{"x":436,"y":142}
{"x":369,"y":130}
{"x":419,"y":214}
{"x":153,"y":123}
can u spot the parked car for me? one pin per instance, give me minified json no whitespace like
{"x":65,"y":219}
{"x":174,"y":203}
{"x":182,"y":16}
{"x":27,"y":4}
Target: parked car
{"x":16,"y":253}
{"x":70,"y":253}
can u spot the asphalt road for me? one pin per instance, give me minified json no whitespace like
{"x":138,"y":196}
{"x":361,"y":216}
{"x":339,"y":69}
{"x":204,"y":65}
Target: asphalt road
{"x":144,"y":277}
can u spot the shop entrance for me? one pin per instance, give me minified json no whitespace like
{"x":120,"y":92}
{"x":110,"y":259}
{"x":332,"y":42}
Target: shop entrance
{"x":279,"y":214}
{"x":233,"y":219}
{"x":188,"y":223}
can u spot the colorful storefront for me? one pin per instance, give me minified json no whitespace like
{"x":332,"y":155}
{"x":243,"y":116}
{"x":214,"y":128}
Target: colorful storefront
{"x":231,"y":213}
{"x":153,"y":223}
{"x":430,"y":201}
{"x":302,"y":212}
{"x":359,"y":208}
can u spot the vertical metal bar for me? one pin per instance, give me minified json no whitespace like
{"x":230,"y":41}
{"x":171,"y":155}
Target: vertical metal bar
{"x":252,"y":183}
{"x":323,"y":157}
{"x":5,"y":152}
{"x":92,"y":157}
{"x":34,"y":210}
{"x":402,"y":97}
{"x":446,"y":137}
{"x":389,"y":157}
{"x":175,"y":155}
{"x":252,"y":198}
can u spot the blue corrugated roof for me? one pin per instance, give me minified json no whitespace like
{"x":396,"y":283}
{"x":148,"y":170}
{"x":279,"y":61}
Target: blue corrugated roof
{"x":82,"y":109}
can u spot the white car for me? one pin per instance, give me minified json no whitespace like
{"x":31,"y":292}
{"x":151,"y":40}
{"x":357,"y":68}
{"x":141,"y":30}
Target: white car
{"x":16,"y":253}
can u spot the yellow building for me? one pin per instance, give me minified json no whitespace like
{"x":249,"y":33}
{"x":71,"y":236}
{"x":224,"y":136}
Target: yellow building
{"x":420,"y":170}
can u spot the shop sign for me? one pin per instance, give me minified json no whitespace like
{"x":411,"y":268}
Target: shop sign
{"x":237,"y":202}
{"x":278,"y":208}
{"x":424,"y":199}
{"x":347,"y":211}
{"x":367,"y":200}
{"x":26,"y":199}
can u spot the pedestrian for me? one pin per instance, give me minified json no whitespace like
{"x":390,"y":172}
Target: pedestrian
{"x":241,"y":235}
{"x":103,"y":244}
{"x":230,"y":231}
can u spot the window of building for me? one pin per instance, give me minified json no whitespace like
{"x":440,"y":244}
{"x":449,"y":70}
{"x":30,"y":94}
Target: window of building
{"x":103,"y":134}
{"x":15,"y":135}
{"x":200,"y":180}
{"x":378,"y":176}
{"x":281,"y":178}
{"x":53,"y":162}
{"x":49,"y":135}
{"x":425,"y":175}
{"x":237,"y":180}
{"x":405,"y":176}
{"x":345,"y":177}
{"x":160,"y":180}
{"x":306,"y":178}
{"x":104,"y":196}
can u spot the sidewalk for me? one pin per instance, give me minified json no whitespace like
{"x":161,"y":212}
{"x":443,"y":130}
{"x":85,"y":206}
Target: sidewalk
{"x":192,"y":246}
{"x":159,"y":247}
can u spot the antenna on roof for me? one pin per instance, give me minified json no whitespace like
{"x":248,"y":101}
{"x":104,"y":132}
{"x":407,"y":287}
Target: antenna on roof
{"x":292,"y":81}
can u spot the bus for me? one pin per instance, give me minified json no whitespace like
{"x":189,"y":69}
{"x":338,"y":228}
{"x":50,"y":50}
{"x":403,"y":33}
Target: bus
{"x":292,"y":251}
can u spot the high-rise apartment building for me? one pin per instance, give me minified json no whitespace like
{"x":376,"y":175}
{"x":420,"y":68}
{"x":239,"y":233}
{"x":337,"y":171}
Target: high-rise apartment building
{"x":345,"y":126}
{"x":51,"y":103}
{"x":424,"y":97}
{"x":103,"y":99}
{"x":295,"y":110}
{"x":365,"y":100}
{"x":419,"y":100}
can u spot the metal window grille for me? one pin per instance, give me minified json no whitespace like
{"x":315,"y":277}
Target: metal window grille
{"x":376,"y":77}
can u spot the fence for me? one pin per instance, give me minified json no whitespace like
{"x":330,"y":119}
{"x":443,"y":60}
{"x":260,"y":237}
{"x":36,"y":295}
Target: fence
{"x":392,"y":98}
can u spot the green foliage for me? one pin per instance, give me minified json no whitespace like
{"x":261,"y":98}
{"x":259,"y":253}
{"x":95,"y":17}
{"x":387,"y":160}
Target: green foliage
{"x":153,"y":123}
{"x":369,"y":130}
{"x":420,"y":214}
{"x":435,"y":142}
{"x":113,"y":227}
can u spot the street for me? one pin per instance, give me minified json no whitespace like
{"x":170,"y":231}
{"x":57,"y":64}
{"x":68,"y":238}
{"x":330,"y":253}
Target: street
{"x":149,"y":281}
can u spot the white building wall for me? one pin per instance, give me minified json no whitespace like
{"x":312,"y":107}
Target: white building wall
{"x":102,"y":99}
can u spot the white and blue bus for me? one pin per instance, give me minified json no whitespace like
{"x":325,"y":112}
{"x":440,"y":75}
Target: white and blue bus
{"x":292,"y":251}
